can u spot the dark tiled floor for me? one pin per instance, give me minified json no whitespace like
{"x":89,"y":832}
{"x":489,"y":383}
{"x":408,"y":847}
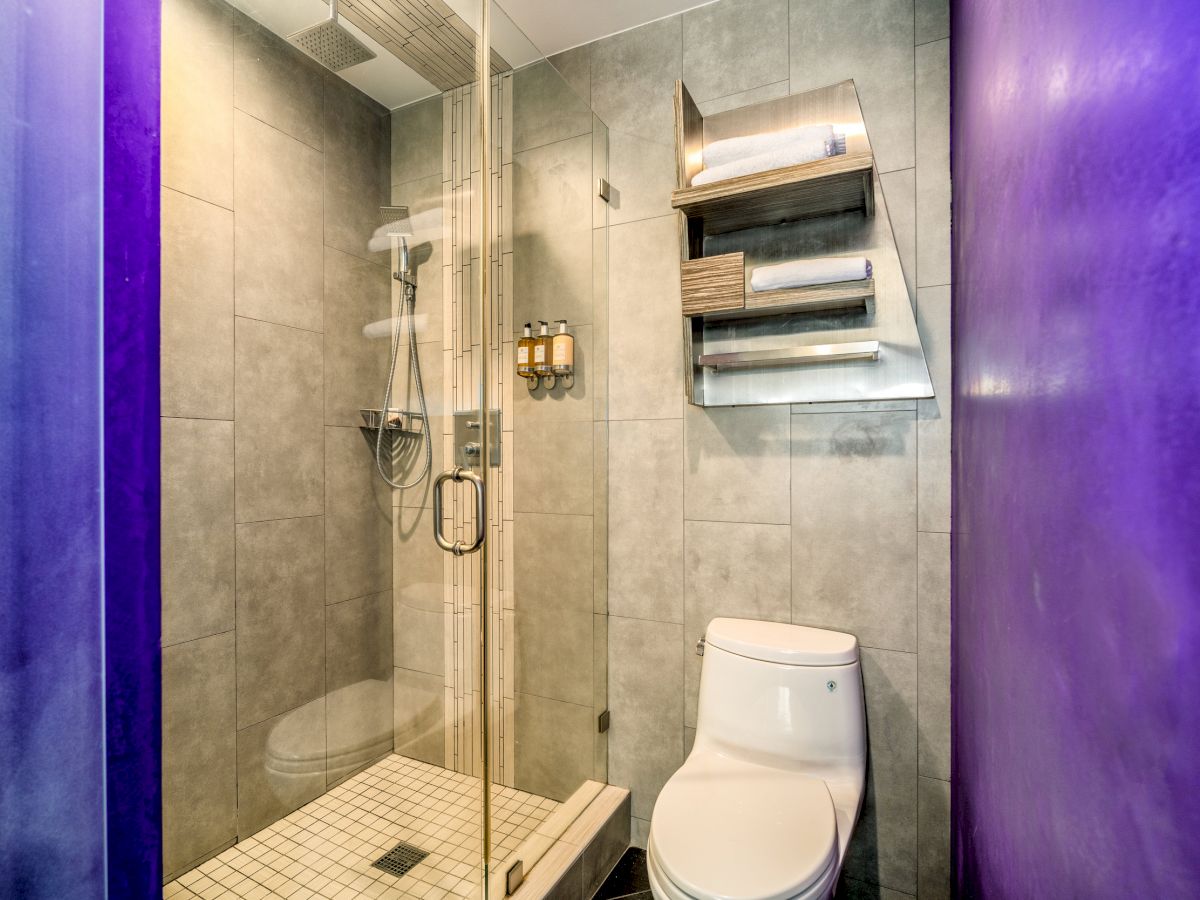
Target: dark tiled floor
{"x":628,"y":879}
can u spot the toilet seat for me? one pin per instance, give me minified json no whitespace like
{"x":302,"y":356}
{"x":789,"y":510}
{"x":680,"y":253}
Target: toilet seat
{"x":731,"y":829}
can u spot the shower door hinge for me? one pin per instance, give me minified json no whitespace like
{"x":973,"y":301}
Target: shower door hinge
{"x":514,"y":876}
{"x":603,"y":189}
{"x":603,"y":721}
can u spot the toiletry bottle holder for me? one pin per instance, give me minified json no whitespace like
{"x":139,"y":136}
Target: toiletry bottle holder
{"x":550,"y":382}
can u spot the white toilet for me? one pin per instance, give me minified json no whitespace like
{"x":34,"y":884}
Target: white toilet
{"x":764,"y":806}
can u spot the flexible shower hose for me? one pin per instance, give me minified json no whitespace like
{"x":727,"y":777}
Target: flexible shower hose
{"x":407,"y":304}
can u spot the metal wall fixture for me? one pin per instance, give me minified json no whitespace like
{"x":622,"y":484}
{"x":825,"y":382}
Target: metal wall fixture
{"x":468,"y":450}
{"x":550,"y":382}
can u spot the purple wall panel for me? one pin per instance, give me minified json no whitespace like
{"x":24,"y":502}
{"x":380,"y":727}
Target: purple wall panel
{"x":51,"y":655}
{"x":1076,"y":632}
{"x":79,"y":601}
{"x":131,"y":446}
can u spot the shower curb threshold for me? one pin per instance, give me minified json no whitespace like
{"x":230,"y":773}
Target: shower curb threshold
{"x":575,"y":865}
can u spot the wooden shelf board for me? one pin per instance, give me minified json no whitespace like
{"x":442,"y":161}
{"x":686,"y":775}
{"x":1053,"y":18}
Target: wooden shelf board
{"x":826,"y":186}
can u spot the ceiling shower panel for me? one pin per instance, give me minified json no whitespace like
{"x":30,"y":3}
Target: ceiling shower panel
{"x":426,"y":35}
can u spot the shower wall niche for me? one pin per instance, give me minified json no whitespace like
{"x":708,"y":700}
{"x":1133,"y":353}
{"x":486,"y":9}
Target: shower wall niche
{"x":277,"y":577}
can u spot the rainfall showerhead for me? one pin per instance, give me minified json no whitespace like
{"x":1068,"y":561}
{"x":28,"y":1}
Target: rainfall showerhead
{"x":330,"y":44}
{"x":396,"y":217}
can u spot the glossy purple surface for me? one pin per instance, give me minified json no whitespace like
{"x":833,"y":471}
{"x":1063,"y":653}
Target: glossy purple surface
{"x":51,"y":655}
{"x":131,"y":447}
{"x":1076,"y":617}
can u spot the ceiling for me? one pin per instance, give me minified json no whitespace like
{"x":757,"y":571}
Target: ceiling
{"x":522,"y":31}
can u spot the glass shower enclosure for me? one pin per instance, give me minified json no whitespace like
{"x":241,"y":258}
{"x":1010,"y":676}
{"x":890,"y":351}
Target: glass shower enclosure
{"x":372,"y":689}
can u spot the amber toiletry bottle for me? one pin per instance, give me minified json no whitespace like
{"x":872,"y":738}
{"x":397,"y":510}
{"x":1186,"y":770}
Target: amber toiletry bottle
{"x":525,"y":367}
{"x":542,"y":349}
{"x":562,"y":358}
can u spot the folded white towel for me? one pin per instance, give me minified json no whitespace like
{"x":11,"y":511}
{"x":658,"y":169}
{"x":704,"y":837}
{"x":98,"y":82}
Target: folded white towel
{"x":780,"y":158}
{"x":801,"y":272}
{"x":720,"y":153}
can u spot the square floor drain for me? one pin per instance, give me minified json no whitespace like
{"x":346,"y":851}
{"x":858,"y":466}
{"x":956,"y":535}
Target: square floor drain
{"x":400,"y":859}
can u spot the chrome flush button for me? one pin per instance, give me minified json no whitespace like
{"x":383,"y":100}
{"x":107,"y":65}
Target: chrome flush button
{"x":831,"y":686}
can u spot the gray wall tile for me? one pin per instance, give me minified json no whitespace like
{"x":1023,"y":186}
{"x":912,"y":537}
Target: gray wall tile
{"x":899,"y":189}
{"x":933,"y":651}
{"x":358,"y":681}
{"x":645,"y":538}
{"x":356,"y":293}
{"x":197,"y":528}
{"x":633,"y":85}
{"x":420,"y":716}
{"x":416,"y":142}
{"x":553,"y":745}
{"x":645,"y":683}
{"x":933,"y":851}
{"x":575,"y":67}
{"x":197,"y":99}
{"x":934,"y":416}
{"x":633,"y":79}
{"x":357,"y":145}
{"x":197,"y":308}
{"x":280,"y":617}
{"x":744,"y":98}
{"x":732,"y":570}
{"x":279,"y":435}
{"x":277,"y":229}
{"x":642,"y":175}
{"x":933,"y":163}
{"x":418,"y":574}
{"x":870,"y":41}
{"x":933,"y":20}
{"x":296,"y":738}
{"x":645,"y":379}
{"x":738,"y":464}
{"x":734,"y":46}
{"x":276,"y":83}
{"x":854,"y":525}
{"x":358,"y":518}
{"x":553,"y":588}
{"x":883,"y":849}
{"x":552,"y":232}
{"x":546,"y":108}
{"x":199,"y":757}
{"x":553,"y":467}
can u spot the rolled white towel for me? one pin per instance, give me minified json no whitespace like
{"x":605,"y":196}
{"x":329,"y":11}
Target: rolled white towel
{"x":802,"y":272}
{"x":720,"y":153}
{"x":778,"y":158}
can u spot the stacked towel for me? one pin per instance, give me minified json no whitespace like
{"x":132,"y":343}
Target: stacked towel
{"x":762,"y":152}
{"x":802,"y":272}
{"x":720,"y":153}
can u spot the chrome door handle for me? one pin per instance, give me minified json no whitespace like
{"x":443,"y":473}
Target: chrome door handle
{"x":458,"y":548}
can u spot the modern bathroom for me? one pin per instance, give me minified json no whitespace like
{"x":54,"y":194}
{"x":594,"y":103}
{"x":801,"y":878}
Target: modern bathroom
{"x":660,"y":450}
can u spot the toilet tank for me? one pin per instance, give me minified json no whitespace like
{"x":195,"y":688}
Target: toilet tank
{"x":782,"y":695}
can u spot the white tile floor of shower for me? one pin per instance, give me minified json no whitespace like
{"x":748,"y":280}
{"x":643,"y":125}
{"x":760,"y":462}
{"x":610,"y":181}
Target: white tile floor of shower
{"x":325,"y":848}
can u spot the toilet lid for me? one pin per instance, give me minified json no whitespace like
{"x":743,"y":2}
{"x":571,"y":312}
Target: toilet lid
{"x":738,"y":831}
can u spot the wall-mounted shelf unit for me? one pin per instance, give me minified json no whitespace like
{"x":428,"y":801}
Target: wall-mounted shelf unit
{"x":849,"y":340}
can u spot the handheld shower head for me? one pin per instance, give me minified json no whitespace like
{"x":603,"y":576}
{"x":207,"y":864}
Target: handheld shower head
{"x":397,"y":223}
